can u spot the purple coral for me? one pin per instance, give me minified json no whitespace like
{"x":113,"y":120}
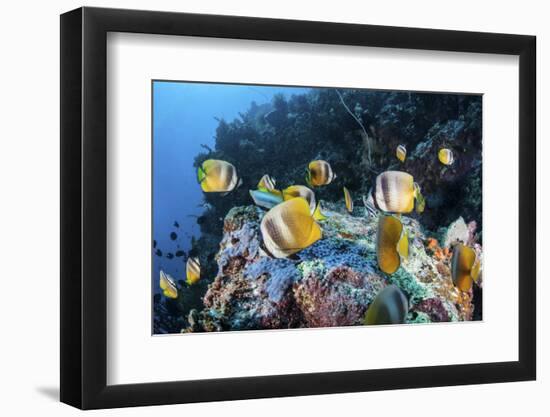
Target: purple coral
{"x":434,"y":308}
{"x":340,"y":298}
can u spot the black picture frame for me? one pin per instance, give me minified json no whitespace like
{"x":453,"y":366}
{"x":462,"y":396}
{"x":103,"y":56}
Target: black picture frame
{"x":84,"y":207}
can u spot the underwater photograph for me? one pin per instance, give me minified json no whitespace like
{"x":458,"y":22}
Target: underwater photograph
{"x":278,"y":207}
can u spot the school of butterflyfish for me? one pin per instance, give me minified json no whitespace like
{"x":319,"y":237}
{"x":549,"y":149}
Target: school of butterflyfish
{"x":293,"y":221}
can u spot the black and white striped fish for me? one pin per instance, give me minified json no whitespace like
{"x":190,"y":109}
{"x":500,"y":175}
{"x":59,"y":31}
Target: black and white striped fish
{"x":370,"y":208}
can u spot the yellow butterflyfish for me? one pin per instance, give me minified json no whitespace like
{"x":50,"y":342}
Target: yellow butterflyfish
{"x":216,"y":176}
{"x":319,"y":173}
{"x":446,"y":156}
{"x":289,"y":227}
{"x":392,"y":244}
{"x":401,"y":153}
{"x":193,"y":271}
{"x":465,"y":267}
{"x":167,"y":285}
{"x":394,"y":192}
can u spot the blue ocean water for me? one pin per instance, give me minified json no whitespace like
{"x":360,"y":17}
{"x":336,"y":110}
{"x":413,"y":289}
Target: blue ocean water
{"x":184,"y":117}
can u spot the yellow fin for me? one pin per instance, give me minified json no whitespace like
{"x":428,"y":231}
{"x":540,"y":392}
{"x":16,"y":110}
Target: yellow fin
{"x":476,"y":270}
{"x":170,"y":293}
{"x":348,"y":200}
{"x":315,"y":235}
{"x":317,"y":215}
{"x":403,"y":245}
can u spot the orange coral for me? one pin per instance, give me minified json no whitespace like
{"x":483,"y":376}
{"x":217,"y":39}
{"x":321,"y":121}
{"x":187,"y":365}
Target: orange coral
{"x":432,"y":243}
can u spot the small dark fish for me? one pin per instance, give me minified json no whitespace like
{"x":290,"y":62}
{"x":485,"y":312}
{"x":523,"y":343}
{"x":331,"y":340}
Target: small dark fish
{"x":176,"y":224}
{"x":180,"y":253}
{"x":154,"y":244}
{"x":173,"y":235}
{"x":158,"y":252}
{"x":170,"y":255}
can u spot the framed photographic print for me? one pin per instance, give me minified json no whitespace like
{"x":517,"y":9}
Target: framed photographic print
{"x":271,"y":192}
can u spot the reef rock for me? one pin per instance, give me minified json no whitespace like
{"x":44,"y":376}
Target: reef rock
{"x":331,"y":283}
{"x":459,"y":231}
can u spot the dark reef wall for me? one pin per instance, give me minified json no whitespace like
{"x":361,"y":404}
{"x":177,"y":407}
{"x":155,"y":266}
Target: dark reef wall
{"x":282,"y":138}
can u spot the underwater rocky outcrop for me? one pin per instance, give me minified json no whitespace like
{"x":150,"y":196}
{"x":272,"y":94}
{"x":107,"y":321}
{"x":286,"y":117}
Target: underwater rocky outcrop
{"x":330,"y":283}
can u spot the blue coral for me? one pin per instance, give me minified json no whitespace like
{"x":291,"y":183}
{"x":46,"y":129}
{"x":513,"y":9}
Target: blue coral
{"x":282,"y":274}
{"x":336,"y":252}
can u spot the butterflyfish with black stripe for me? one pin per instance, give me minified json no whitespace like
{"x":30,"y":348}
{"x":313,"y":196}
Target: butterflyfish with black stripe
{"x":289,"y":227}
{"x":392,"y":243}
{"x":348,"y":200}
{"x":319,"y":173}
{"x":266,"y":183}
{"x":216,"y":176}
{"x":401,"y":153}
{"x":395,"y":192}
{"x":167,"y":285}
{"x":193,"y":271}
{"x":465,"y":267}
{"x":446,"y":156}
{"x":370,"y":208}
{"x":389,"y":307}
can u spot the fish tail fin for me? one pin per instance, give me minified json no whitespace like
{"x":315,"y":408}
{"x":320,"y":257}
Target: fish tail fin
{"x":201,"y":174}
{"x":308,"y":178}
{"x":239,"y":183}
{"x":317,"y":215}
{"x":403,"y":245}
{"x":476,"y":270}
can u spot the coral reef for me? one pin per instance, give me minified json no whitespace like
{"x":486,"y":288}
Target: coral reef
{"x":331,"y":283}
